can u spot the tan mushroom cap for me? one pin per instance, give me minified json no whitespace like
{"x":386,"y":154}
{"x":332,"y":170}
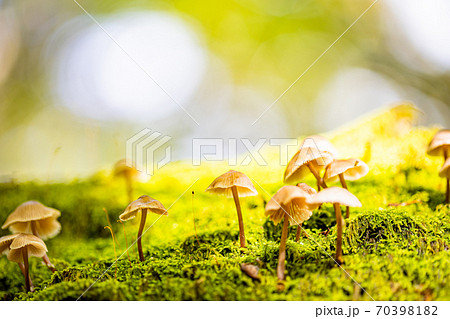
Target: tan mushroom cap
{"x":121,"y":168}
{"x":445,"y":170}
{"x":322,"y":144}
{"x":35,"y":247}
{"x":335,"y":195}
{"x":45,"y":218}
{"x":439,"y":143}
{"x":143,"y":202}
{"x":223,"y":184}
{"x":293,"y":201}
{"x":352,"y":169}
{"x":6,"y":241}
{"x":297,"y":169}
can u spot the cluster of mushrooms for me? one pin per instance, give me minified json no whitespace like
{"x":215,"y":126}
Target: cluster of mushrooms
{"x":292,"y":204}
{"x":440,"y":146}
{"x":31,"y":223}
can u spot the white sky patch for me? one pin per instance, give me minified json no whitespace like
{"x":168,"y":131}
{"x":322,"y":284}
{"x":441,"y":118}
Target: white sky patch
{"x":425,"y":25}
{"x":94,"y":78}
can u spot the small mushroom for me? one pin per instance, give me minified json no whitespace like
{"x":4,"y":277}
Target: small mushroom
{"x":440,"y":146}
{"x":234,"y":184}
{"x":315,"y":153}
{"x":336,"y":196}
{"x":143,"y":204}
{"x":289,"y":205}
{"x":121,"y":169}
{"x":37,"y":219}
{"x":349,"y":169}
{"x":20,"y":247}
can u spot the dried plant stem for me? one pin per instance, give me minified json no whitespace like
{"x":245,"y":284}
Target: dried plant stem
{"x":239,"y":212}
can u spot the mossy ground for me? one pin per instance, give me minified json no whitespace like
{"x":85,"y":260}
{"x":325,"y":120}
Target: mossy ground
{"x":395,"y":253}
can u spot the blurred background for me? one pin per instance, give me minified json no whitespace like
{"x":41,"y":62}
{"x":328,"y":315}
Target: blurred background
{"x":72,"y":91}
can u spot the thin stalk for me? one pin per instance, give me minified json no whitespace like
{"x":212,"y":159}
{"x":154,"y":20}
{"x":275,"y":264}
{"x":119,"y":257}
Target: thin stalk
{"x":126,"y":241}
{"x":26,"y":268}
{"x":115,"y":253}
{"x":45,"y":258}
{"x":344,"y":185}
{"x":316,"y":175}
{"x":239,"y":212}
{"x":22,"y":269}
{"x":193,"y":214}
{"x":139,"y":235}
{"x":337,"y":211}
{"x":282,"y":253}
{"x":109,"y":223}
{"x":447,"y":192}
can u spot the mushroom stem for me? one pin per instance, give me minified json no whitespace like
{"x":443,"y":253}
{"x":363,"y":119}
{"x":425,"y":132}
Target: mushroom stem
{"x":318,"y":190}
{"x":239,"y":212}
{"x":141,"y":229}
{"x":26,"y":268}
{"x":282,"y":254}
{"x":344,"y":185}
{"x":447,"y":193}
{"x":22,"y":269}
{"x":320,"y":181}
{"x":337,"y":211}
{"x":45,"y":258}
{"x":299,"y":230}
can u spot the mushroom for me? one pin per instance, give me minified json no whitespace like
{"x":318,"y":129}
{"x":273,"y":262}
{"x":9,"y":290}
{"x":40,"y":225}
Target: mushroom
{"x":336,"y":196}
{"x":234,"y":184}
{"x":143,"y":204}
{"x":445,"y":172}
{"x":289,"y":205}
{"x":315,"y":153}
{"x":20,"y":247}
{"x":37,"y":219}
{"x":440,"y":146}
{"x":349,"y":169}
{"x":121,"y":169}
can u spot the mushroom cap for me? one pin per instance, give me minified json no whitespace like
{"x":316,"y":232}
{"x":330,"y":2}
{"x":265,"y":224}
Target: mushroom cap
{"x":352,"y":169}
{"x":35,"y":247}
{"x":121,"y":168}
{"x":45,"y":218}
{"x":445,"y":170}
{"x":143,"y":202}
{"x":293,"y":201}
{"x":335,"y":195}
{"x":6,"y":241}
{"x":297,"y":169}
{"x":223,"y":184}
{"x":322,"y":144}
{"x":439,"y":142}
